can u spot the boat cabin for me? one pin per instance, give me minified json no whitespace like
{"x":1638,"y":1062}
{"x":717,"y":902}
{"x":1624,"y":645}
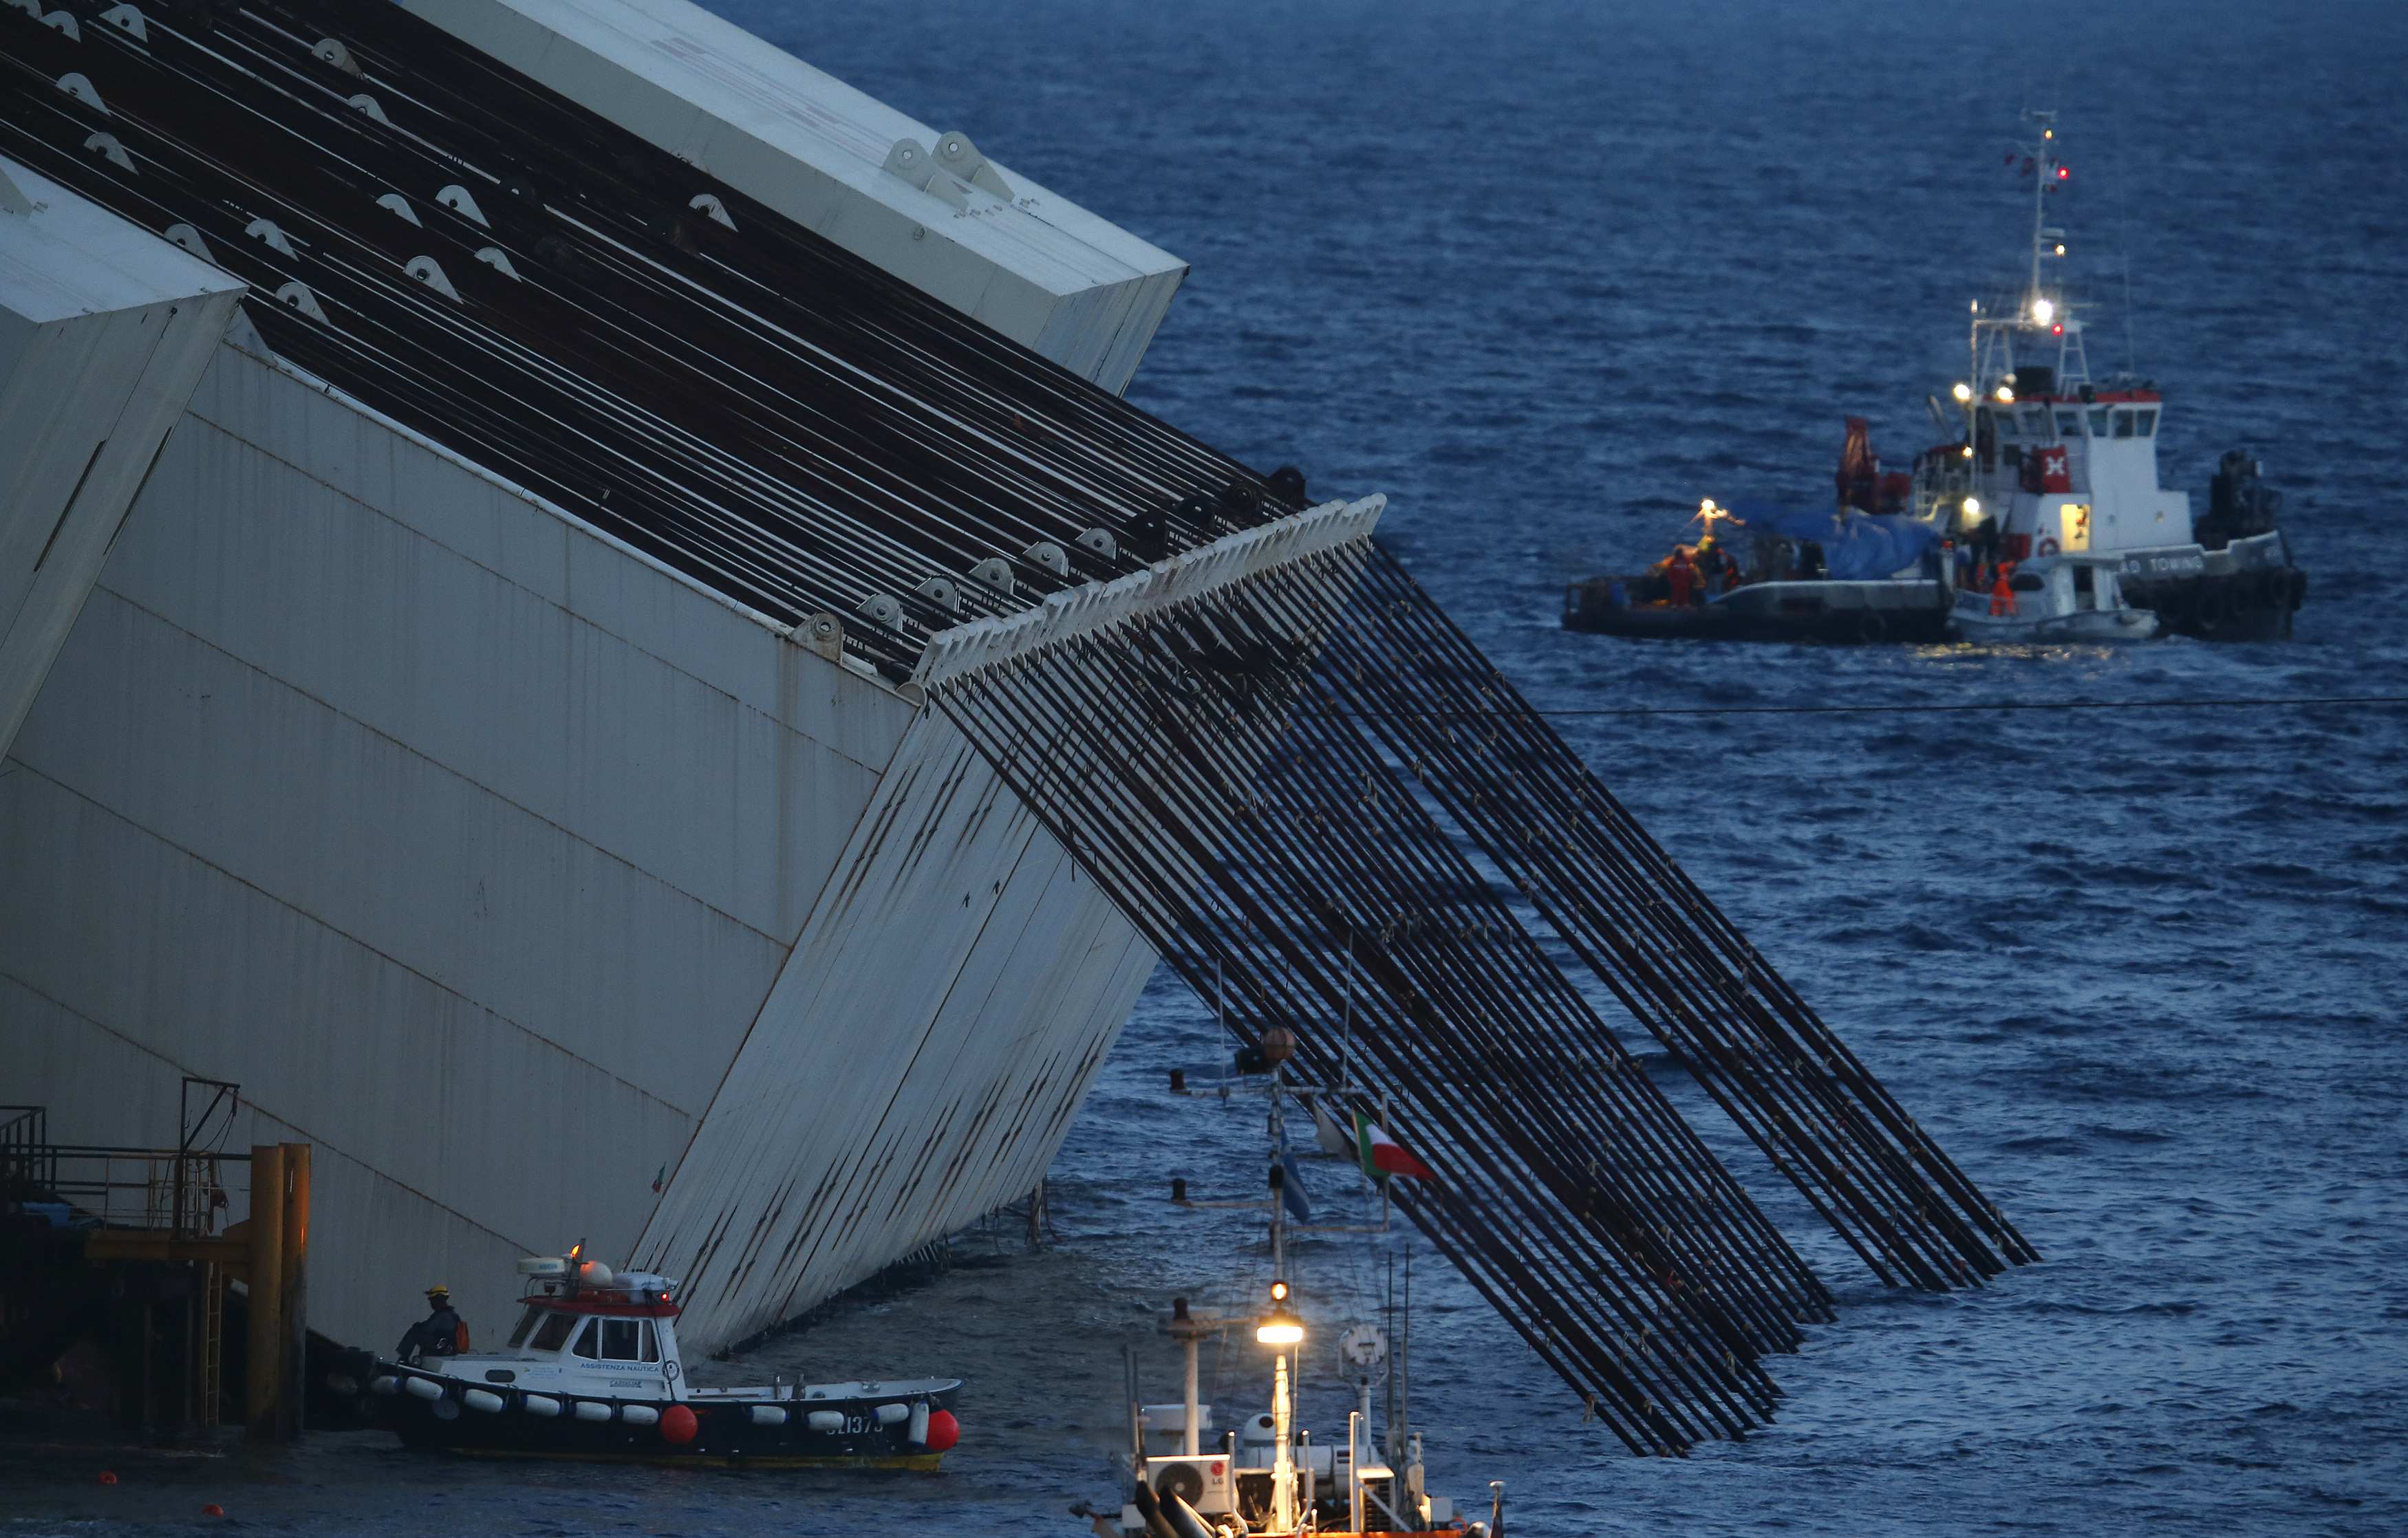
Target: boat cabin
{"x":584,"y":1328}
{"x":2050,"y":462}
{"x":2072,"y":472}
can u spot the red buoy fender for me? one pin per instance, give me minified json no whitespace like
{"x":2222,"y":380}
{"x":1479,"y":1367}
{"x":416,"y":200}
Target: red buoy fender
{"x":943,"y":1430}
{"x":678,"y":1425}
{"x":2048,"y":547}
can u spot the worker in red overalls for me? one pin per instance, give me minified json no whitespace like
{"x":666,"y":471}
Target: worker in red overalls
{"x":2002,"y":597}
{"x":1678,"y":572}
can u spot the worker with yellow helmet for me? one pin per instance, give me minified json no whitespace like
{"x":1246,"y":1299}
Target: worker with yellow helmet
{"x":441,"y":1333}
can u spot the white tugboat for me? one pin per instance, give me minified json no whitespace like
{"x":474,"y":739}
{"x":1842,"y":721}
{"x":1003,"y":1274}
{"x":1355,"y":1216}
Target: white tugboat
{"x":2051,"y":522}
{"x":592,"y":1371}
{"x":2052,"y":498}
{"x":1268,"y":1478}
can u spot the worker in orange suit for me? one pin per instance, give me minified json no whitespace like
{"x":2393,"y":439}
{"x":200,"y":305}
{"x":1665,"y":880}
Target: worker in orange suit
{"x":2002,"y":597}
{"x":1678,"y":573}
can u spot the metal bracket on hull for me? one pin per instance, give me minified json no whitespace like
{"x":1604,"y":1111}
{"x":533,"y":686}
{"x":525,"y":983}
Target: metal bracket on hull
{"x":1232,"y":558}
{"x":910,"y":161}
{"x":957,"y":155}
{"x":823,"y":633}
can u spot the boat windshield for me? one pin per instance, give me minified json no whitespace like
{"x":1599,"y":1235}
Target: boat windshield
{"x":553,"y":1333}
{"x":526,"y":1327}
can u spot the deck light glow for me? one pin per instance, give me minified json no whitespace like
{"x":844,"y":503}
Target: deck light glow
{"x":1280,"y":1327}
{"x":2006,"y":397}
{"x":2060,"y":248}
{"x":1963,"y":393}
{"x":1972,"y":508}
{"x":1968,"y":450}
{"x":2063,"y":172}
{"x":2044,"y":311}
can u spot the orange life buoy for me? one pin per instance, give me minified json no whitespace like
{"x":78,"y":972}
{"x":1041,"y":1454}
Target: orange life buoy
{"x":2047,"y":547}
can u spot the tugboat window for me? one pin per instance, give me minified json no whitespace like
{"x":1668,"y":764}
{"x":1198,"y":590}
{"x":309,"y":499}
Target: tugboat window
{"x":2036,"y":422}
{"x":619,"y":1340}
{"x":2068,"y":425}
{"x":585,"y":1341}
{"x":526,"y":1327}
{"x":652,"y":1347}
{"x":2098,"y":422}
{"x":2148,"y":424}
{"x":555,"y":1334}
{"x":2123,"y":425}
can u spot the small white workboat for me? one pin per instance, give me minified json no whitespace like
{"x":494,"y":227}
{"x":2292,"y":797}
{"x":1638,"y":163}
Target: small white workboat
{"x":2051,"y":600}
{"x":592,"y":1371}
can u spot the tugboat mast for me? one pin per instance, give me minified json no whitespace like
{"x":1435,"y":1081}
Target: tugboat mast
{"x":1992,"y":345}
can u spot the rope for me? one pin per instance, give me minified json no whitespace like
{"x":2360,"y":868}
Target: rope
{"x":2233,"y":703}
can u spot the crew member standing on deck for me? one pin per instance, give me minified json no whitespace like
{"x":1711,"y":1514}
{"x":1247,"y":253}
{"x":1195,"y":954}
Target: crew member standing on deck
{"x":2002,"y":597}
{"x":441,"y":1333}
{"x":1677,"y":572}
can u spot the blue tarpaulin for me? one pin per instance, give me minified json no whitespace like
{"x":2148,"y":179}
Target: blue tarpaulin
{"x":1857,"y":546}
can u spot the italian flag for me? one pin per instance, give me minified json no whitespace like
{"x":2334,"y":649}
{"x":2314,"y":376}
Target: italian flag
{"x":1383,"y":1156}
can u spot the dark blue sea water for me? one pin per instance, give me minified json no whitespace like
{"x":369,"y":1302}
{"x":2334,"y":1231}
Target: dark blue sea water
{"x":1546,"y":274}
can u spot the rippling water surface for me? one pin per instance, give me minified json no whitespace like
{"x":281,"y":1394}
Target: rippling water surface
{"x":1546,"y":274}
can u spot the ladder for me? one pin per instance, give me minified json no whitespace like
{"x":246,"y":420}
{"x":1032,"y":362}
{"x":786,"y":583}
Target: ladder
{"x":212,"y":1343}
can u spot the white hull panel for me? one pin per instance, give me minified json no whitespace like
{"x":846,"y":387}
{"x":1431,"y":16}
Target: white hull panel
{"x":103,"y":330}
{"x":1035,"y":266}
{"x":476,"y":848}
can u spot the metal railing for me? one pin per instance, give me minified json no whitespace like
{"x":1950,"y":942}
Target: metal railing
{"x":24,"y":1131}
{"x":193,"y":1194}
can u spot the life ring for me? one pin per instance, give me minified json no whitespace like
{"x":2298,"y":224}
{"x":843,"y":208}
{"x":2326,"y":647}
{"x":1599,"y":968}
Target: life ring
{"x":2046,"y":546}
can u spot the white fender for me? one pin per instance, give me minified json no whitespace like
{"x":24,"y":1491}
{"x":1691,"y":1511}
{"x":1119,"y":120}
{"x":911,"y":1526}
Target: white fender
{"x":539,"y":1404}
{"x":386,"y":1385}
{"x":588,"y":1410}
{"x":640,"y":1415}
{"x":894,"y":1415}
{"x":478,"y":1399}
{"x":768,"y":1414}
{"x":824,"y":1420}
{"x":918,"y":1434}
{"x":423,"y":1388}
